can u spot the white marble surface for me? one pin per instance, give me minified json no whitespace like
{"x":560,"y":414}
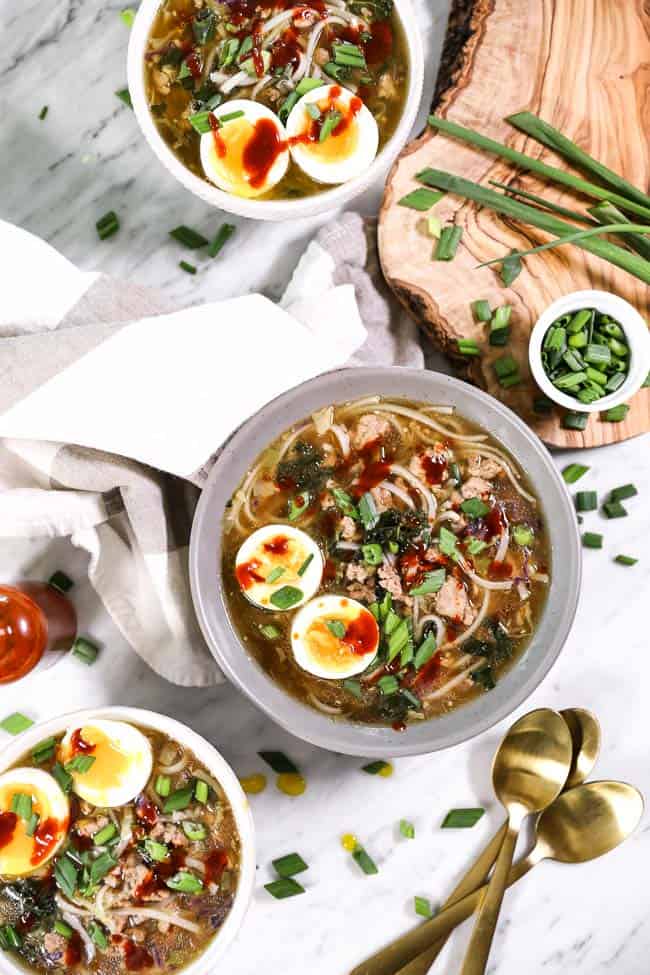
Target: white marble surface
{"x":58,"y":177}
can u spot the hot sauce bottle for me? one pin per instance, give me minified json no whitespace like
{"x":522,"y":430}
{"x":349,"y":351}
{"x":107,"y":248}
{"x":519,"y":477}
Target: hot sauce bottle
{"x":38,"y":624}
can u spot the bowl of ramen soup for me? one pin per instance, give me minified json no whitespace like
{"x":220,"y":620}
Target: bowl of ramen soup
{"x":126,"y":845}
{"x":385,"y":560}
{"x":271,"y":108}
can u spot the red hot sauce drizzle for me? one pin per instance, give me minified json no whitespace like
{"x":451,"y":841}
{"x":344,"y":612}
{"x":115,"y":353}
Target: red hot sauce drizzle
{"x":434,"y":467}
{"x":79,"y":745}
{"x":278,"y":545}
{"x":8,"y":821}
{"x":45,"y":838}
{"x":135,"y":957}
{"x":215,"y":864}
{"x":362,"y":634}
{"x":247,"y":574}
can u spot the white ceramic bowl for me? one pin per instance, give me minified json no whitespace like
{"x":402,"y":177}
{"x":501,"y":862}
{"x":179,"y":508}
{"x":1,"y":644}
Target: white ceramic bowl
{"x":218,"y":768}
{"x":272,"y":209}
{"x":636,"y":332}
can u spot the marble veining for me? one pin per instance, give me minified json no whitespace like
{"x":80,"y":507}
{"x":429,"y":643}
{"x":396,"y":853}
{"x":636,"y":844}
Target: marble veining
{"x":59,"y":176}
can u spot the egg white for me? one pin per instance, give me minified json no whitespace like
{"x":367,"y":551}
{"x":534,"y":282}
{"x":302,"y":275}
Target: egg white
{"x":301,"y":546}
{"x":323,"y":608}
{"x":123,"y":745}
{"x":227,"y":173}
{"x":51,"y":803}
{"x":309,"y":156}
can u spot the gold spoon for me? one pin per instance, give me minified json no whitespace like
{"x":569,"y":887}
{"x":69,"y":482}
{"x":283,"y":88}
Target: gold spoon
{"x":401,"y":951}
{"x":585,"y":735}
{"x":582,"y":824}
{"x":530,"y":767}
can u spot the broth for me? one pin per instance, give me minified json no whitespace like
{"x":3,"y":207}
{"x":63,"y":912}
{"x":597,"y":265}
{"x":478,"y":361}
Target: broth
{"x":116,"y":897}
{"x":419,"y":517}
{"x":196,"y":49}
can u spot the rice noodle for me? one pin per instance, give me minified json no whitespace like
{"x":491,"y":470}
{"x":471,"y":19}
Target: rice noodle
{"x":284,"y":15}
{"x":262,"y":83}
{"x":449,"y":516}
{"x":77,"y":926}
{"x":539,"y":576}
{"x":447,"y":410}
{"x":398,"y":492}
{"x":427,"y":421}
{"x":441,"y":627}
{"x":174,"y":767}
{"x":150,"y":912}
{"x":432,"y":504}
{"x":66,"y":905}
{"x":349,"y":546}
{"x":301,"y":70}
{"x":126,"y":833}
{"x":240,"y":80}
{"x":471,"y":630}
{"x":323,"y":419}
{"x":503,"y":545}
{"x":449,"y":686}
{"x":195,"y":864}
{"x":325,"y":708}
{"x":343,"y":438}
{"x":484,"y":583}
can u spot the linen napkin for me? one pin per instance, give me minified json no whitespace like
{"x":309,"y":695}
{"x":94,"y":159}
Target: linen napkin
{"x":113,"y":404}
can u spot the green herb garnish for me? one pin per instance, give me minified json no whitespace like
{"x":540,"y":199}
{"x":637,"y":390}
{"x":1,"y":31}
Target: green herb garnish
{"x":422,"y":907}
{"x":14,"y":723}
{"x":462,"y":818}
{"x":474,"y":507}
{"x":107,"y":225}
{"x":573,"y":472}
{"x":284,"y":887}
{"x":286,"y":597}
{"x":364,"y":861}
{"x":85,"y":650}
{"x":179,"y":799}
{"x":625,"y":560}
{"x":432,"y":582}
{"x":420,"y":199}
{"x":407,"y":829}
{"x":185,"y":883}
{"x":289,"y":865}
{"x":592,"y":540}
{"x":336,"y":628}
{"x":447,"y":245}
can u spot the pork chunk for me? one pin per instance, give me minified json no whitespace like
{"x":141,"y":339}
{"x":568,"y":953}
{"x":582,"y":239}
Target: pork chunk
{"x":475,"y":487}
{"x":369,"y":429}
{"x":357,"y":572}
{"x":453,"y":602}
{"x":478,"y":466}
{"x":349,"y":529}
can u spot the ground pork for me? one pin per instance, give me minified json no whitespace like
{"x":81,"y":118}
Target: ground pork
{"x":369,"y":428}
{"x":391,"y":582}
{"x":478,"y":466}
{"x":364,"y":593}
{"x":349,"y":529}
{"x":357,"y":572}
{"x":88,"y":827}
{"x":169,"y":833}
{"x":475,"y":487}
{"x":383,"y":498}
{"x":416,"y":466}
{"x":54,"y":944}
{"x":453,"y":602}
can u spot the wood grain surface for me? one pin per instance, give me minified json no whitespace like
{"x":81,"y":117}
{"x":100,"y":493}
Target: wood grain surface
{"x":583,"y":66}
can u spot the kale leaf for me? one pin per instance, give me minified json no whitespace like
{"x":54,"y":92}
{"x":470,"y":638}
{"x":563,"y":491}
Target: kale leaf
{"x":401,"y":528}
{"x":303,"y":469}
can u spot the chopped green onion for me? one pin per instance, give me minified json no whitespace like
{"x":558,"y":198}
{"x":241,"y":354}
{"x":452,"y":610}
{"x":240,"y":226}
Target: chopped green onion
{"x":398,"y":640}
{"x":505,"y":366}
{"x":468,"y":347}
{"x":372,"y":554}
{"x":330,"y":122}
{"x":623,"y":492}
{"x":200,"y":122}
{"x":420,"y":199}
{"x":85,"y":650}
{"x":283,"y":888}
{"x":432,"y":582}
{"x":63,"y":929}
{"x":9,"y":937}
{"x":422,"y":907}
{"x":270,"y":632}
{"x":586,"y":501}
{"x":163,"y":785}
{"x":289,"y":865}
{"x":573,"y":472}
{"x":625,"y":560}
{"x":447,"y":246}
{"x":62,"y":777}
{"x":185,"y":883}
{"x":223,"y":235}
{"x":80,"y":763}
{"x":124,"y":95}
{"x":106,"y":834}
{"x":32,"y":825}
{"x":364,"y":861}
{"x":388,"y":684}
{"x":43,"y":112}
{"x":188,"y":237}
{"x":59,"y":580}
{"x":14,"y":723}
{"x":286,"y":596}
{"x":434,"y":226}
{"x":353,"y":687}
{"x":474,"y":507}
{"x":201,"y":791}
{"x":376,"y":768}
{"x":336,"y":628}
{"x":344,"y":503}
{"x":107,"y":225}
{"x":481,"y":310}
{"x":313,"y":111}
{"x":179,"y":799}
{"x":475,"y":546}
{"x":500,"y":319}
{"x":305,"y":565}
{"x":187,"y":267}
{"x":286,"y":106}
{"x":511,"y":268}
{"x":127,"y":16}
{"x":21,"y":804}
{"x":462,"y":818}
{"x":104,"y":863}
{"x":597,"y":354}
{"x":368,"y":511}
{"x":614,"y":509}
{"x":307,"y":84}
{"x":523,"y":535}
{"x":65,"y":875}
{"x":275,"y":574}
{"x":407,"y":829}
{"x":279,"y":762}
{"x":98,"y":935}
{"x":575,"y":421}
{"x":194,"y":831}
{"x":44,"y":750}
{"x":447,"y":542}
{"x":153,"y":850}
{"x":592,"y":540}
{"x":616,"y":413}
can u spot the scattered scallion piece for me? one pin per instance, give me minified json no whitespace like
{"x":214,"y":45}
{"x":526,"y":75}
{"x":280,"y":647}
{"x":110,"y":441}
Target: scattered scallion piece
{"x":511,"y":267}
{"x":85,"y":650}
{"x":14,"y":723}
{"x":329,"y":124}
{"x":105,"y":834}
{"x":573,"y":472}
{"x":286,"y":596}
{"x":432,"y":582}
{"x":434,"y":226}
{"x":422,"y":907}
{"x":474,"y":507}
{"x":9,"y":938}
{"x":575,"y":421}
{"x":275,"y":574}
{"x":63,"y":929}
{"x":21,"y":805}
{"x":80,"y":764}
{"x":448,"y":242}
{"x":353,"y":687}
{"x":623,"y":492}
{"x":468,"y":347}
{"x":43,"y":112}
{"x":481,"y":310}
{"x":289,"y":865}
{"x":97,"y":935}
{"x":270,"y":632}
{"x":127,"y":16}
{"x":201,"y":791}
{"x":107,"y":225}
{"x":475,"y":546}
{"x":185,"y":882}
{"x":407,"y":829}
{"x":368,"y":511}
{"x":194,"y":831}
{"x":188,"y":237}
{"x":124,"y":95}
{"x":179,"y":799}
{"x":372,"y":554}
{"x":153,"y":850}
{"x":388,"y":684}
{"x":59,"y":580}
{"x":188,"y":268}
{"x":462,"y":818}
{"x":44,"y":751}
{"x":66,"y":875}
{"x":32,"y":825}
{"x":279,"y":762}
{"x":163,"y":785}
{"x":62,"y":777}
{"x":305,"y":565}
{"x":284,"y":887}
{"x":614,"y":509}
{"x":364,"y":860}
{"x":222,"y":236}
{"x":523,"y":535}
{"x":615,"y":414}
{"x":592,"y":540}
{"x":625,"y":560}
{"x":380,"y":767}
{"x":586,"y":501}
{"x":336,"y":628}
{"x":420,"y":199}
{"x":307,"y":84}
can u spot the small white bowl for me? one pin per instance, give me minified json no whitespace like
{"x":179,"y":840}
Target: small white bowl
{"x":273,"y":209}
{"x":636,"y":332}
{"x":218,"y":768}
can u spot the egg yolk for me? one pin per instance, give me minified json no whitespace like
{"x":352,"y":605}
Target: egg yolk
{"x":333,"y":652}
{"x":111,"y":765}
{"x":243,"y":154}
{"x":342,"y":140}
{"x":19,"y":852}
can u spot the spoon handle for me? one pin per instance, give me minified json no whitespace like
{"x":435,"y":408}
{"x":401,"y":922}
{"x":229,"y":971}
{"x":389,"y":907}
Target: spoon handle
{"x":478,"y":950}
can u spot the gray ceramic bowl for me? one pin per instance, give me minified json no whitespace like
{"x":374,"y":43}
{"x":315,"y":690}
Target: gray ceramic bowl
{"x":242,"y":669}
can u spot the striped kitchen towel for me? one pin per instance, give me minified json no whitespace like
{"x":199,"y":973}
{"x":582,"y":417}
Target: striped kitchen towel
{"x":112,"y":404}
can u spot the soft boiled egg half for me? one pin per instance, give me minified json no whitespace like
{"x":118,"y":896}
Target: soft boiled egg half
{"x":335,"y":637}
{"x":34,"y":817}
{"x":279,"y":567}
{"x":333,"y":136}
{"x":246,"y":152}
{"x":121,"y":761}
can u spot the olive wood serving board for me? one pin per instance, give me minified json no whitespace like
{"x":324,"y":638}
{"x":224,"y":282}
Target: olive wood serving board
{"x":583,"y":66}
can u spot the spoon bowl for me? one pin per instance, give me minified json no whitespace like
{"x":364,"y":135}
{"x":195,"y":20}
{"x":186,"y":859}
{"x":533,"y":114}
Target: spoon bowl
{"x":585,"y":736}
